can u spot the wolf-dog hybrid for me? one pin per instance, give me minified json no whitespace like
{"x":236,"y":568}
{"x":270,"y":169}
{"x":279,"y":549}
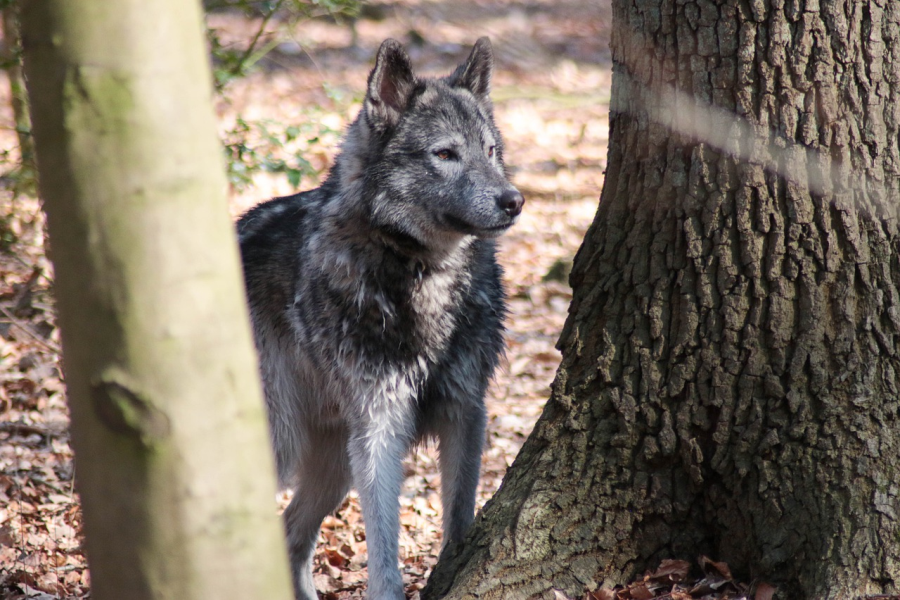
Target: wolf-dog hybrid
{"x":378,"y":310}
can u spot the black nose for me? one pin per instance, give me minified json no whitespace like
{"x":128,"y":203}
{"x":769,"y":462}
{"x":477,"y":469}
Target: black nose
{"x":511,"y":202}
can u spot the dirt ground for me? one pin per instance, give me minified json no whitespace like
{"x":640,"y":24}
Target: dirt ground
{"x":551,"y":90}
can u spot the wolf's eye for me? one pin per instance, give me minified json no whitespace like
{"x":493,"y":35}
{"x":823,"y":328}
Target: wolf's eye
{"x":444,"y":154}
{"x":491,"y":152}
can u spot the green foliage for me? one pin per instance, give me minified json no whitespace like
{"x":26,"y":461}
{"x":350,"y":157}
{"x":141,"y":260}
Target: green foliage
{"x":8,"y":235}
{"x":251,"y":146}
{"x":267,"y":145}
{"x":17,"y":176}
{"x":230,"y":62}
{"x":261,"y":146}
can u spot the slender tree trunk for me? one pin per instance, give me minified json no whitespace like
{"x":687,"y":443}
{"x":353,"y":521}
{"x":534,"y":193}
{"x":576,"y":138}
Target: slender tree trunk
{"x":18,"y":94}
{"x":730,"y":381}
{"x":167,"y":419}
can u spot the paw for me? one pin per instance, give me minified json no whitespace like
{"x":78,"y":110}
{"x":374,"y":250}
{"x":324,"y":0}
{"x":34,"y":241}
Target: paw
{"x":304,"y":588}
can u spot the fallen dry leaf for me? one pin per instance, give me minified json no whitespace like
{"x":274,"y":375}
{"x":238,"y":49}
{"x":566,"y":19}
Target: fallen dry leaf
{"x":764,"y":591}
{"x":640,"y":591}
{"x":711,"y":567}
{"x":671,"y":571}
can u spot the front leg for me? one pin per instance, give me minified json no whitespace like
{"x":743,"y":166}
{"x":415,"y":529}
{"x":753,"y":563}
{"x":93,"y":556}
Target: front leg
{"x":377,"y":447}
{"x":460,"y":441}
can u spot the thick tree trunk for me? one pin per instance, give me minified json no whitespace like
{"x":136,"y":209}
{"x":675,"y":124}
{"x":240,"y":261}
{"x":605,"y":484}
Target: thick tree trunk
{"x":730,"y":381}
{"x":167,"y":420}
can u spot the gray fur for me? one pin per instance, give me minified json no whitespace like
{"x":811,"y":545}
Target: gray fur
{"x":378,"y":310}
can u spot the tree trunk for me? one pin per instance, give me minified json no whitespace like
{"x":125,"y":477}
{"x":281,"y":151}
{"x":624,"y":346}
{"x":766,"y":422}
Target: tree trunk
{"x":730,"y":382}
{"x":10,"y":56}
{"x":167,"y":418}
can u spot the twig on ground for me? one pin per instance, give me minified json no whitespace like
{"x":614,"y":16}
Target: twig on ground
{"x":23,"y":326}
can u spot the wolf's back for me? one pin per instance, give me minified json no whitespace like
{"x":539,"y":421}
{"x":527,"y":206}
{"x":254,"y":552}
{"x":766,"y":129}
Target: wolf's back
{"x":270,"y":235}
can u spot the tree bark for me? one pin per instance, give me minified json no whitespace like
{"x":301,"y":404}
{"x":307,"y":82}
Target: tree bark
{"x":730,"y":382}
{"x":167,"y":418}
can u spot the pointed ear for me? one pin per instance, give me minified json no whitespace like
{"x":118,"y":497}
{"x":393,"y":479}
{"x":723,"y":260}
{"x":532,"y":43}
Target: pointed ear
{"x":391,"y":84}
{"x":475,"y":74}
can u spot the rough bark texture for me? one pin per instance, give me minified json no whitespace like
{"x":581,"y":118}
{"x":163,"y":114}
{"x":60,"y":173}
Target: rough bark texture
{"x":730,"y":376}
{"x":174,"y":473}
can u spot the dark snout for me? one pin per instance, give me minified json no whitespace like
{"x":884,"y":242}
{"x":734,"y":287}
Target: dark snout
{"x":485,"y":215}
{"x":511,"y":202}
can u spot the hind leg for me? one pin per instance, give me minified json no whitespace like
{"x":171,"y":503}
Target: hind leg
{"x":324,"y":475}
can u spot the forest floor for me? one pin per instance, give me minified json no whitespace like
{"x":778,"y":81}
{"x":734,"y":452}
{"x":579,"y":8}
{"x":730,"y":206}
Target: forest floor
{"x":551,"y":92}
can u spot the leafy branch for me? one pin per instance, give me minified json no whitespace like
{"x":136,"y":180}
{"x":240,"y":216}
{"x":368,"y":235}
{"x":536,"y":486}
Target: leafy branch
{"x":251,"y":146}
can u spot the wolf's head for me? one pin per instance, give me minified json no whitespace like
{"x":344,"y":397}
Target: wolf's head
{"x":428,"y":155}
